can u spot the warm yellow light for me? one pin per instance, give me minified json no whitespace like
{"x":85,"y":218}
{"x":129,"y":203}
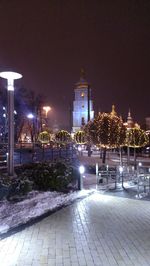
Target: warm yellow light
{"x":46,"y":109}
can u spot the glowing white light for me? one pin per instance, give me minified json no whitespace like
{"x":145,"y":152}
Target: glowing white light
{"x":120,"y":169}
{"x":46,"y":109}
{"x":10,"y":76}
{"x":30,"y":116}
{"x":79,"y":148}
{"x":140,"y":164}
{"x":132,"y":168}
{"x":81,"y":169}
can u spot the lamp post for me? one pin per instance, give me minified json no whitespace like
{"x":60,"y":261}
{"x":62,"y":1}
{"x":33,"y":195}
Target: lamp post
{"x":80,"y":181}
{"x":121,"y":175}
{"x":46,"y":109}
{"x":10,"y":76}
{"x":31,"y":117}
{"x":4,"y":124}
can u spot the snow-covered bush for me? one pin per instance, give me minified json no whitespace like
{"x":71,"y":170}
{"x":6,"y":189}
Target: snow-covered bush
{"x":58,"y":176}
{"x":14,"y":187}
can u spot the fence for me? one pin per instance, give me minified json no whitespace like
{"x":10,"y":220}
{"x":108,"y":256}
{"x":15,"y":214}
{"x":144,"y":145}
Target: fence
{"x":32,"y":152}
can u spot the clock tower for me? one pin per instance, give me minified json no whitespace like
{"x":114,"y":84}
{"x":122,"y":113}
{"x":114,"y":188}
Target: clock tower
{"x":82,"y":105}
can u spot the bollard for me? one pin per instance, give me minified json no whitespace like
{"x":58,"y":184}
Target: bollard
{"x":80,"y":181}
{"x":96,"y":169}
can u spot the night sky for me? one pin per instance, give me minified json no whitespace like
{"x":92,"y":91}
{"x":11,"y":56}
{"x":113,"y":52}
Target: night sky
{"x":49,"y":42}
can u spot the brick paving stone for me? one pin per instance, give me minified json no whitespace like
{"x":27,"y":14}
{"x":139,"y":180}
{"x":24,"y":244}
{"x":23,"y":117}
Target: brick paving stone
{"x":100,"y":230}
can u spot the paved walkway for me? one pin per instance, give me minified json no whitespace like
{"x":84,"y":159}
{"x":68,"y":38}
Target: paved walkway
{"x":98,"y":230}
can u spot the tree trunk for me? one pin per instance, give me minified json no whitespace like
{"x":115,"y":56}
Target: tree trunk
{"x":135,"y":158}
{"x":128,"y":155}
{"x":89,"y":150}
{"x":104,"y":156}
{"x":120,"y":156}
{"x":100,"y":153}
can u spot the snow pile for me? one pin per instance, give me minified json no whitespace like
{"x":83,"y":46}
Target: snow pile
{"x":35,"y":205}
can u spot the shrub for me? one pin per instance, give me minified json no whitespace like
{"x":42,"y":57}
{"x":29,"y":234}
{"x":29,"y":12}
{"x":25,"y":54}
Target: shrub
{"x":18,"y":188}
{"x":56,"y":176}
{"x":14,"y":187}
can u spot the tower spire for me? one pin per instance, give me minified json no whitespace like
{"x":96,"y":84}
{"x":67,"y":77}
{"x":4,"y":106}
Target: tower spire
{"x":113,"y":112}
{"x":129,"y":119}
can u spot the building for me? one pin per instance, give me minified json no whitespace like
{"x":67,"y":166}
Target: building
{"x":130,"y":123}
{"x":82,"y":105}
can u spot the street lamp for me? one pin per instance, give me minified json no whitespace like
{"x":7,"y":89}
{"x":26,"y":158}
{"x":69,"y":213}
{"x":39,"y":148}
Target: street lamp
{"x":121,"y":174}
{"x":80,"y":181}
{"x":46,"y":109}
{"x":31,"y":117}
{"x":10,"y":76}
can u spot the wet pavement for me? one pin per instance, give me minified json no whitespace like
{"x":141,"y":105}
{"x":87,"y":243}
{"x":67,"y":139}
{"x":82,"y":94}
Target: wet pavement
{"x":100,"y":230}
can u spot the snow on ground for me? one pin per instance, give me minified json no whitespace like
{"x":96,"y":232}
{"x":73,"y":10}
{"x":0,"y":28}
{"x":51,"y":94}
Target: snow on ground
{"x":35,"y":205}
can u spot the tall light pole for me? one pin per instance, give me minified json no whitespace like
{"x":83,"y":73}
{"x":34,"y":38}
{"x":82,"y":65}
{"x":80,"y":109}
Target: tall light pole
{"x":10,"y":76}
{"x":31,"y":117}
{"x":46,"y":109}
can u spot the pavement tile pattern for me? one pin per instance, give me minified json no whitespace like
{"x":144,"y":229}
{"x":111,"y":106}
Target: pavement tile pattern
{"x":99,"y":230}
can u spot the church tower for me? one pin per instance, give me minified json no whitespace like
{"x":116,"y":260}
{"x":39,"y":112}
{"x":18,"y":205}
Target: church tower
{"x":130,"y":123}
{"x":82,"y":105}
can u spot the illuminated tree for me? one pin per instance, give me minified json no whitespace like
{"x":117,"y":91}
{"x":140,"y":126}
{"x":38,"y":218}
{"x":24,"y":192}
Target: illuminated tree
{"x":106,"y":131}
{"x":63,"y":137}
{"x":80,"y":137}
{"x":44,"y":137}
{"x":136,"y":138}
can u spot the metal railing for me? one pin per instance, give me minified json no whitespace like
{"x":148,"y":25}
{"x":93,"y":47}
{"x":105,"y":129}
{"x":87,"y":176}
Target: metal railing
{"x":33,"y":152}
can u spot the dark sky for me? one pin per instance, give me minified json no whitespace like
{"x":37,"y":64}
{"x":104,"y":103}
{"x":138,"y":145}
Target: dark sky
{"x":49,"y":41}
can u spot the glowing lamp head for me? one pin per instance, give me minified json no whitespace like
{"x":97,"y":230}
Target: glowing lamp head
{"x":30,"y":116}
{"x":79,"y":148}
{"x":81,"y":169}
{"x":120,"y":169}
{"x":10,"y":76}
{"x":46,"y":108}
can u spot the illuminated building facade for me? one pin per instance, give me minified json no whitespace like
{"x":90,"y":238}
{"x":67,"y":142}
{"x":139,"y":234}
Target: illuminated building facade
{"x":82,"y":105}
{"x":130,"y":123}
